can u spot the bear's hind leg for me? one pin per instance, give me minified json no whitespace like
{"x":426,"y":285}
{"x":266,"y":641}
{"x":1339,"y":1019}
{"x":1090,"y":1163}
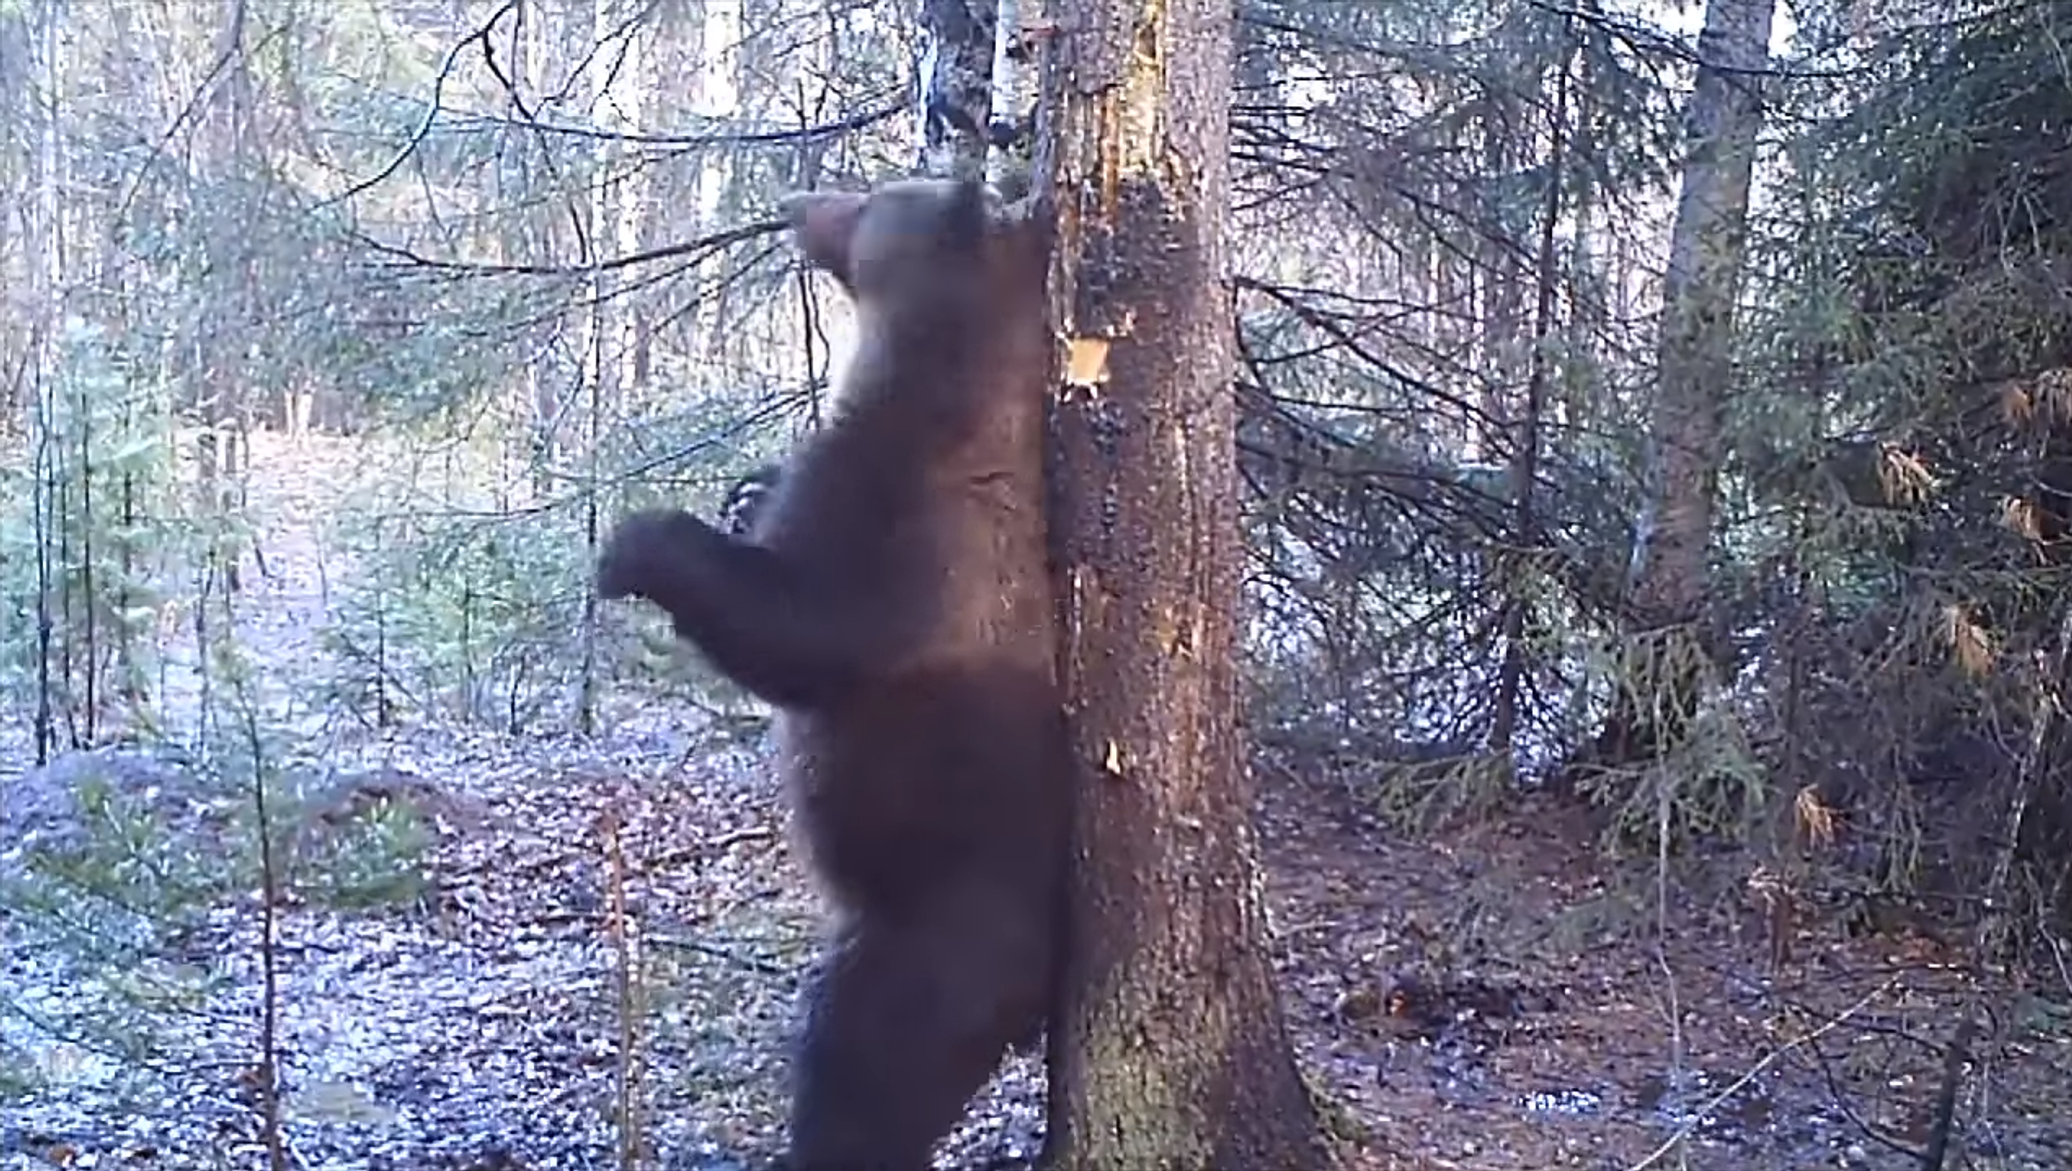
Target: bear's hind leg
{"x":905,"y":1022}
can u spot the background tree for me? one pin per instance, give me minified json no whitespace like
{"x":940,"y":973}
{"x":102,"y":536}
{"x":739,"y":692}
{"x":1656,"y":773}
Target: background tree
{"x":1171,"y":1049}
{"x":1669,"y":597}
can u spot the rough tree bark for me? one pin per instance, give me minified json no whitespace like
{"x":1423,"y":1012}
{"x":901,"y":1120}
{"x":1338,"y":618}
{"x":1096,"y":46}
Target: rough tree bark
{"x":1169,"y":1048}
{"x":1671,"y":581}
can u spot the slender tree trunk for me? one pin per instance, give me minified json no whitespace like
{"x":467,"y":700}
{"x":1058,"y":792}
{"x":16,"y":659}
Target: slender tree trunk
{"x":1529,"y":425}
{"x":1707,"y":248}
{"x":45,"y":256}
{"x":1169,"y":1049}
{"x":956,"y":84}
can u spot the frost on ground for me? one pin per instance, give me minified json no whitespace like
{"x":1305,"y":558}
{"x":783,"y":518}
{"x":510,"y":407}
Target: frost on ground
{"x":517,"y":951}
{"x":480,"y":1011}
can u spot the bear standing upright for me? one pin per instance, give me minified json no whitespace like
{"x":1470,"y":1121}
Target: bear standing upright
{"x":894,"y":604}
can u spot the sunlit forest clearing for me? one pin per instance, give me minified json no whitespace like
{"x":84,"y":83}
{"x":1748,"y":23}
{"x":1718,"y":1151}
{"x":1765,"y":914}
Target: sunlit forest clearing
{"x":1652,"y":452}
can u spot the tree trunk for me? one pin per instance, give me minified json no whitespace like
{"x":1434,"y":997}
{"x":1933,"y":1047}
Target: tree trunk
{"x":1169,"y":1049}
{"x":1708,"y":244}
{"x":1529,"y":424}
{"x":956,"y":84}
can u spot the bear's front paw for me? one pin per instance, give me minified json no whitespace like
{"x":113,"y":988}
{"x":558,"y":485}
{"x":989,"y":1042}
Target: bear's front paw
{"x":626,"y":566}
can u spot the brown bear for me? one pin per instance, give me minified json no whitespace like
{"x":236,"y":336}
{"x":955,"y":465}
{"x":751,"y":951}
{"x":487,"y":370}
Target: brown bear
{"x":893,"y":602}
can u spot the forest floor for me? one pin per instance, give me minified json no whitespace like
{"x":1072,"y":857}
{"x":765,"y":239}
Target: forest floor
{"x":581,"y":909}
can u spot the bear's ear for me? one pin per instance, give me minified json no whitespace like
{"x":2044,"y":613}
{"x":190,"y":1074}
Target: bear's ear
{"x":824,"y":223}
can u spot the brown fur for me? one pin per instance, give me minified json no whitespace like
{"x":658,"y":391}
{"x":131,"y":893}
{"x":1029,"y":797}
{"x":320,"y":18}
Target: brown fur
{"x":894,"y":604}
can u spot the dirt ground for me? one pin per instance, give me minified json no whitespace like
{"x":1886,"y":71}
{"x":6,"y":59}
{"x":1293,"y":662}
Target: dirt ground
{"x":610,"y":928}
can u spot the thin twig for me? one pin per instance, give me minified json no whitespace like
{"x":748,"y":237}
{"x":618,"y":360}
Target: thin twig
{"x":1699,"y":1116}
